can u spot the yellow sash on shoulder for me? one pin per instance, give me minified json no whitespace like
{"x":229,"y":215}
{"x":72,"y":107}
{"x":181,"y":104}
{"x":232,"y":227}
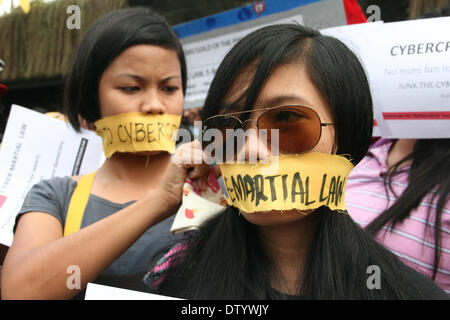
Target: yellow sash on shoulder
{"x":78,"y":203}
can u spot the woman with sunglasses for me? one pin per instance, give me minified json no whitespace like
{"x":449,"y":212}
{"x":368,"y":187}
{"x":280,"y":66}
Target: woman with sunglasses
{"x":282,"y":236}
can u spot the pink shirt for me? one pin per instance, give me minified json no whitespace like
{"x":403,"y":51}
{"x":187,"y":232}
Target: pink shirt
{"x":366,"y":198}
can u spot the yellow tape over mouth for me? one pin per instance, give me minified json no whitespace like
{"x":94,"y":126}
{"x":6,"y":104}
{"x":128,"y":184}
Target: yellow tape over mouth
{"x":137,"y":132}
{"x":303,"y":182}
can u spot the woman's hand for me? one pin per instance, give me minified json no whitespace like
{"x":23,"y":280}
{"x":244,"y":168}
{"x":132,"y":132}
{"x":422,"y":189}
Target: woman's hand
{"x":188,"y":161}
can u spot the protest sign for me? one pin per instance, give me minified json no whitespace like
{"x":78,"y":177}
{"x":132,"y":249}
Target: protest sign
{"x":408,"y":67}
{"x":36,"y":147}
{"x":412,"y":73}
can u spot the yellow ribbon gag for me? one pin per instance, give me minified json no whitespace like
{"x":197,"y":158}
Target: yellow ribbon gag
{"x":303,"y":182}
{"x":136,"y":132}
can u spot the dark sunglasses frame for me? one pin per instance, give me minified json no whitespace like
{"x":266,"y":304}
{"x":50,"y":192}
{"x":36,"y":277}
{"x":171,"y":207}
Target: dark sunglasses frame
{"x":293,"y":107}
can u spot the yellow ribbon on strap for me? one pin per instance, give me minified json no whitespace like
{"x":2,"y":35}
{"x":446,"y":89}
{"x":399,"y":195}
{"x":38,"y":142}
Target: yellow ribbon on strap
{"x":78,"y":203}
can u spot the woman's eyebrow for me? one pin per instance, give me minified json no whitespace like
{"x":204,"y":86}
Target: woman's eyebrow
{"x":141,"y":78}
{"x":130,"y":75}
{"x":226,"y":108}
{"x":170,"y":78}
{"x":283,"y":99}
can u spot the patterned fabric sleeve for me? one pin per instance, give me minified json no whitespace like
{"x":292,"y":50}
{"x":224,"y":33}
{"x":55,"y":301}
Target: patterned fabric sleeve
{"x":155,"y":276}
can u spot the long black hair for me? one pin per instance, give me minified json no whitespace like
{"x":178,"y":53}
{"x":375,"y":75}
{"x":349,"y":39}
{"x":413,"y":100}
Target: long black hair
{"x":228,"y":259}
{"x":429,"y":173}
{"x":107,"y":38}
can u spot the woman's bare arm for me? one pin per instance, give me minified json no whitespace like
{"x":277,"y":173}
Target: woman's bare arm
{"x":37,"y":263}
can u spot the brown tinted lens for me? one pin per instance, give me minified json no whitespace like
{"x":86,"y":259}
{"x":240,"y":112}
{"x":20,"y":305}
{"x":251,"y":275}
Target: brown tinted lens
{"x":298,"y":127}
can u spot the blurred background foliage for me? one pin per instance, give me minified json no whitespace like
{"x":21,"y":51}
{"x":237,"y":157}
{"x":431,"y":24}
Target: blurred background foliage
{"x":38,"y":45}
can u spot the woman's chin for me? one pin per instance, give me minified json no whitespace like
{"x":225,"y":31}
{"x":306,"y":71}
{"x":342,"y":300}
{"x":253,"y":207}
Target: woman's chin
{"x":150,"y":153}
{"x":141,"y":154}
{"x":275,"y":217}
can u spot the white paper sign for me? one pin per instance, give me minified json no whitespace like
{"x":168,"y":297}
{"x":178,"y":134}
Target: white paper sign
{"x":408,"y":66}
{"x":101,"y":292}
{"x":36,"y":147}
{"x":412,"y":73}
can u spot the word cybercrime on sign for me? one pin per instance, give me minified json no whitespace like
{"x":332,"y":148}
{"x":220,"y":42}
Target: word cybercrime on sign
{"x":420,"y":48}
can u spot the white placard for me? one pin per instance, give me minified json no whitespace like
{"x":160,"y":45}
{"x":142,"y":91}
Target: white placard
{"x":408,"y":66}
{"x":36,"y":147}
{"x":412,"y":73}
{"x":101,"y":292}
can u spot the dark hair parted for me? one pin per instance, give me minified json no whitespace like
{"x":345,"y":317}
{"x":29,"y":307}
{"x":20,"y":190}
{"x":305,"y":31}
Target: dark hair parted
{"x":228,"y":258}
{"x":106,"y":39}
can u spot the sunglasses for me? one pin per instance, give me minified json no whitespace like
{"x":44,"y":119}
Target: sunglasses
{"x":299,"y":127}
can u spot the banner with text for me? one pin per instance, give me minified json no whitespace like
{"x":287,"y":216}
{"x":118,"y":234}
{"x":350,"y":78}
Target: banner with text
{"x":411,"y":70}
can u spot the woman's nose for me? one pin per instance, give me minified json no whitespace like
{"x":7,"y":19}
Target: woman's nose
{"x":255,"y":147}
{"x":152,"y":103}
